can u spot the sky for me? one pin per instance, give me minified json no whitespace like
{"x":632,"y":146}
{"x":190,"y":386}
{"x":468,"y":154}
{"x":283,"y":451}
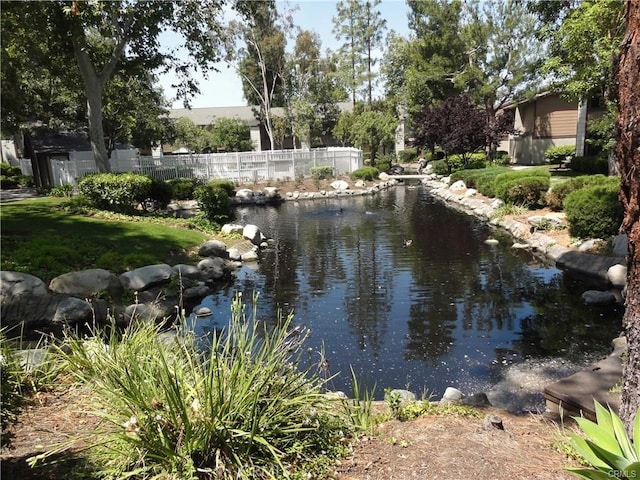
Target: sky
{"x":224,"y":88}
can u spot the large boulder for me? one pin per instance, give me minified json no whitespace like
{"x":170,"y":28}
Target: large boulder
{"x":597,"y":297}
{"x":253,"y":234}
{"x":71,"y":310}
{"x":213,"y":248}
{"x":617,"y":275}
{"x":16,"y":284}
{"x":87,"y":283}
{"x":230,"y":228}
{"x":244,"y":194}
{"x":339,"y":185}
{"x":144,"y":278}
{"x":30,"y":311}
{"x":213,"y":268}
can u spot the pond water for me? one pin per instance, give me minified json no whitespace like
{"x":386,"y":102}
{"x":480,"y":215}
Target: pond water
{"x":448,"y":310}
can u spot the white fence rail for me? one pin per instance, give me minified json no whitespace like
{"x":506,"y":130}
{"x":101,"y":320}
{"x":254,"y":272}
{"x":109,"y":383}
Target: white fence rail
{"x":240,"y":167}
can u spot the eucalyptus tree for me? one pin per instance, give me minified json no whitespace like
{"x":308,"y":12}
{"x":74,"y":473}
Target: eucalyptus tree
{"x":360,"y":27}
{"x":257,"y":52}
{"x":367,"y":126}
{"x":95,"y":38}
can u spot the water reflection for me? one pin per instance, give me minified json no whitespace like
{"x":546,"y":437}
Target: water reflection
{"x":447,"y":310}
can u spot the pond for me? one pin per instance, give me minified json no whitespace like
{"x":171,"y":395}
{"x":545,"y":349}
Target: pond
{"x":447,"y":310}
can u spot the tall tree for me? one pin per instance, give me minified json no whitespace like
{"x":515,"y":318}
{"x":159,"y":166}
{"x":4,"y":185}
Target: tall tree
{"x":360,"y":26}
{"x":257,"y":53}
{"x":628,"y":154}
{"x":503,"y":57}
{"x":368,"y":126}
{"x":95,"y":38}
{"x":438,"y":52}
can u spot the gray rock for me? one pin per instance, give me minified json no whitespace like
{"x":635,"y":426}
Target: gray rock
{"x":213,"y":248}
{"x":458,"y":186}
{"x":470,"y":192}
{"x":451,"y":395}
{"x":16,"y":284}
{"x":29,"y":311}
{"x":477,"y":400}
{"x":339,"y":185}
{"x":198,"y":291}
{"x":213,"y":268}
{"x":144,"y":278}
{"x":87,"y":283}
{"x":234,"y":254}
{"x":253,"y":234}
{"x":250,"y":256}
{"x":621,"y":245}
{"x":589,"y":245}
{"x":360,"y":184}
{"x":271,"y":192}
{"x":617,"y":275}
{"x":596,"y":297}
{"x":190,"y":272}
{"x":405,"y":396}
{"x":202,"y":312}
{"x":244,"y":194}
{"x":71,"y":310}
{"x":143,"y":313}
{"x":492,"y":422}
{"x":231,"y":228}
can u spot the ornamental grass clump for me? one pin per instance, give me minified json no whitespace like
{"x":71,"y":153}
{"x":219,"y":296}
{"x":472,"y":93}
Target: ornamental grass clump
{"x":241,"y":408}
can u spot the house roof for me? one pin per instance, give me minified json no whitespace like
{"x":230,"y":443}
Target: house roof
{"x":207,"y":115}
{"x":61,"y":143}
{"x":525,"y":100}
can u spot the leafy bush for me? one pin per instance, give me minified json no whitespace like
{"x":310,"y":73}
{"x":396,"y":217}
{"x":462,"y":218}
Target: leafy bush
{"x":592,"y":165}
{"x":242,"y":409}
{"x":8,"y":182}
{"x":501,"y":158}
{"x":607,"y":448}
{"x":384,"y":162}
{"x":481,"y":179}
{"x":116,"y":192}
{"x":440,"y":167}
{"x":160,"y":195}
{"x":408,"y":155}
{"x":227,"y":185}
{"x":559,"y":153}
{"x":321,"y":173}
{"x":213,"y":200}
{"x":63,"y":191}
{"x":594,"y":211}
{"x":365,"y":173}
{"x":182,"y":188}
{"x":525,"y":191}
{"x":555,"y":197}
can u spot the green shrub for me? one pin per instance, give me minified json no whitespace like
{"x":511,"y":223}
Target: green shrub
{"x":242,"y":409}
{"x":121,"y":192}
{"x":408,"y":155}
{"x":226,"y":184}
{"x":9,"y":170}
{"x":214,"y":202}
{"x":594,"y":165}
{"x":594,"y":211}
{"x":440,"y":167}
{"x":160,"y":195}
{"x":501,"y":158}
{"x":481,"y":179}
{"x":384,"y":162}
{"x":525,"y":191}
{"x":182,"y":188}
{"x":8,"y":182}
{"x":365,"y":173}
{"x":560,"y":153}
{"x":607,"y":448}
{"x":63,"y":191}
{"x":555,"y":197}
{"x":321,"y":173}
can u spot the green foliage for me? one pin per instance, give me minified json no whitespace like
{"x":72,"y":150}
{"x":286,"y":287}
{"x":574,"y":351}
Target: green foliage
{"x":183,"y":188}
{"x":607,"y":448}
{"x":593,"y":165}
{"x":11,"y":177}
{"x":64,"y":191}
{"x":116,"y":192}
{"x":321,"y":173}
{"x":525,"y":191}
{"x":213,"y":200}
{"x":555,"y":197}
{"x":370,"y":128}
{"x":11,"y":378}
{"x":384,"y":162}
{"x":558,"y":154}
{"x":365,"y":173}
{"x":227,"y":185}
{"x":441,"y":167}
{"x":160,"y":195}
{"x":501,"y":158}
{"x":241,"y":409}
{"x":594,"y":212}
{"x":408,"y":155}
{"x":232,"y":135}
{"x":410,"y":410}
{"x":114,"y":261}
{"x":360,"y":407}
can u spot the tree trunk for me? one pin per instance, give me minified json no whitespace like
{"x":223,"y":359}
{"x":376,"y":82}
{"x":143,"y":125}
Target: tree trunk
{"x":628,"y":154}
{"x":96,"y":132}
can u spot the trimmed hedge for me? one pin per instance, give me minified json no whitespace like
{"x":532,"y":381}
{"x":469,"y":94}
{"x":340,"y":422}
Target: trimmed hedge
{"x":594,"y":211}
{"x":213,"y":200}
{"x":594,"y":165}
{"x":321,"y":173}
{"x":555,"y":197}
{"x":408,"y":155}
{"x":182,"y":188}
{"x":121,"y":192}
{"x":365,"y":173}
{"x":227,"y":185}
{"x":526,"y":191}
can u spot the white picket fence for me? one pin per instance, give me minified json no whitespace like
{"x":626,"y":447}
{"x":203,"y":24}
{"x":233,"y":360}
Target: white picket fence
{"x":241,"y":167}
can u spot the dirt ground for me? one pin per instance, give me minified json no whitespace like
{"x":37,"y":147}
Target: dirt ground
{"x":430,"y":447}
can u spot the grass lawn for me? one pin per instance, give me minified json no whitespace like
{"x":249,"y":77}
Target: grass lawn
{"x":42,"y":239}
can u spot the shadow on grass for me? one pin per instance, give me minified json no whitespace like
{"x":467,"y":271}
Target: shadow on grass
{"x":67,"y":466}
{"x":41,"y":239}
